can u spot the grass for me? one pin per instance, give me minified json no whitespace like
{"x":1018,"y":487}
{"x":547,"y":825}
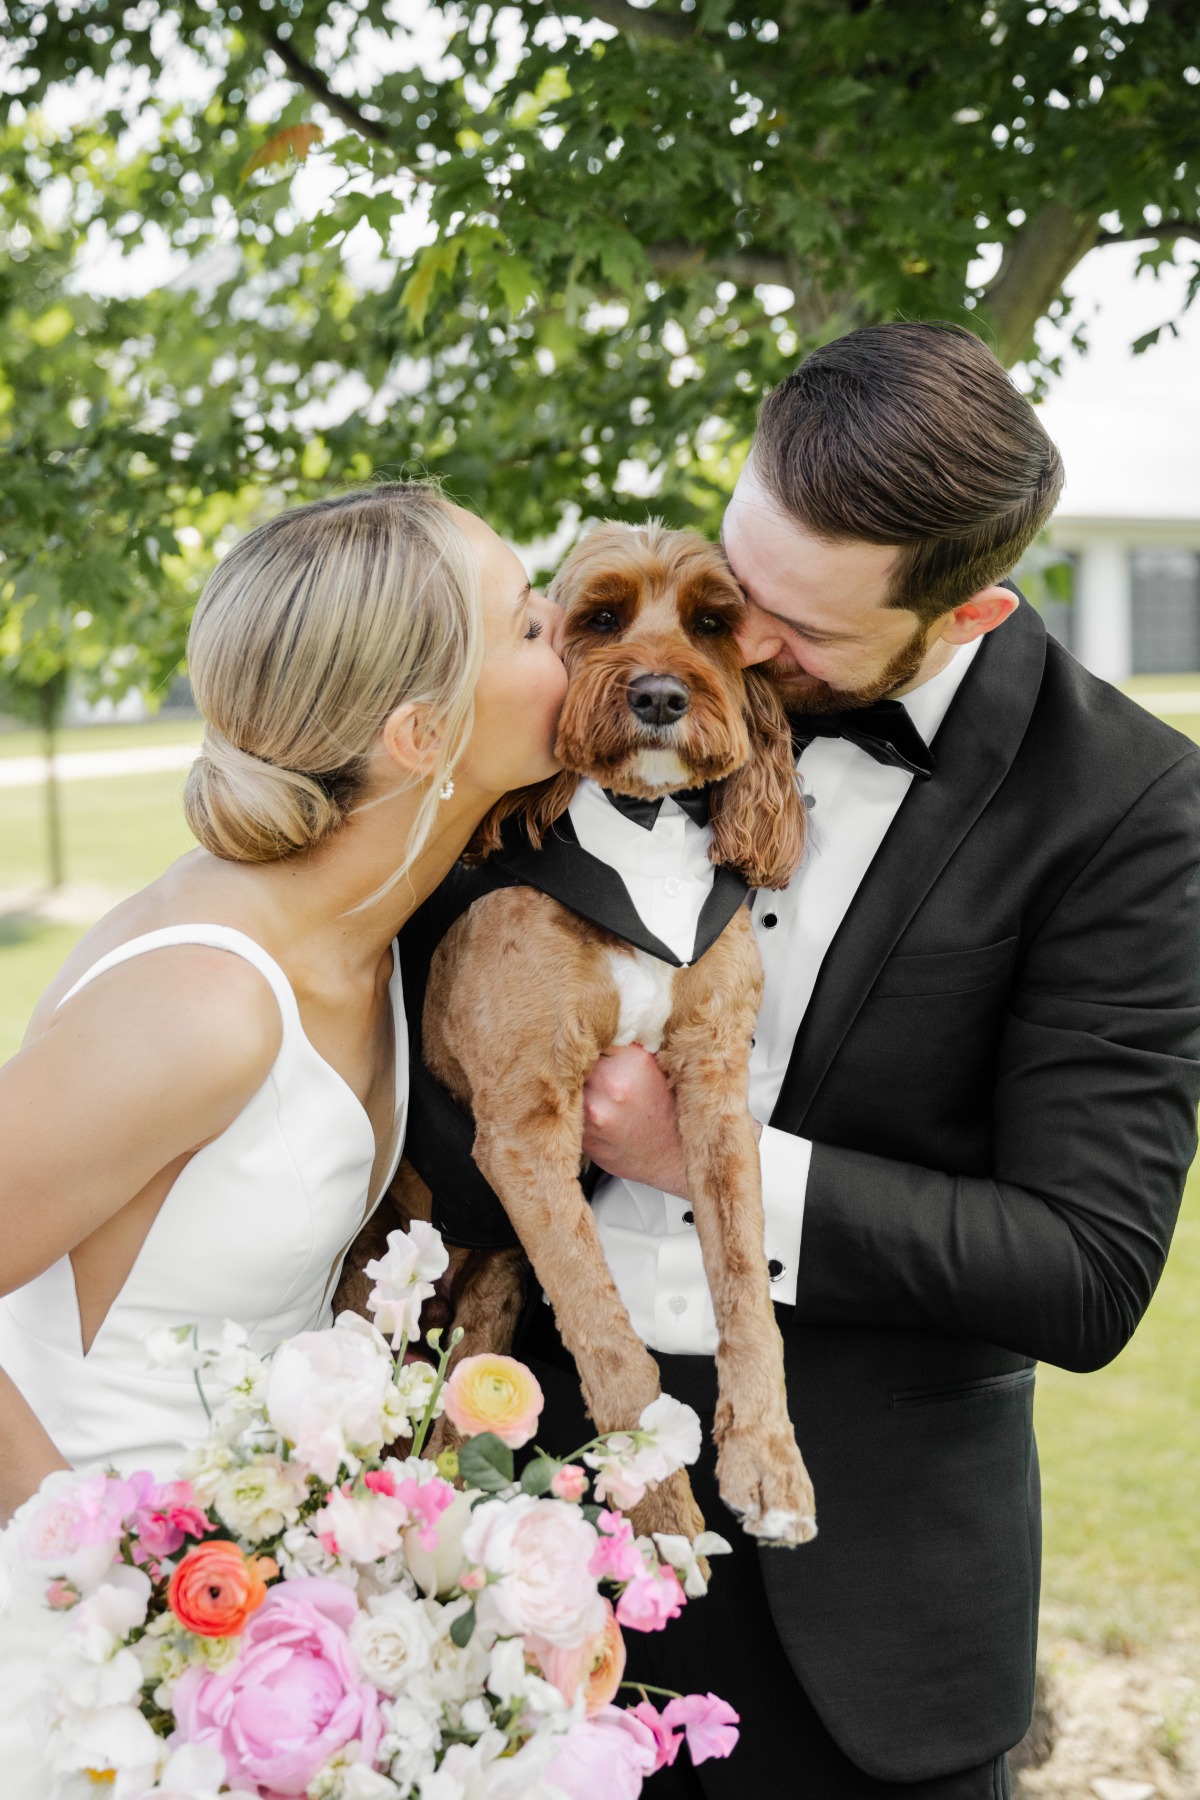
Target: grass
{"x":1120,"y":1456}
{"x":104,"y":737}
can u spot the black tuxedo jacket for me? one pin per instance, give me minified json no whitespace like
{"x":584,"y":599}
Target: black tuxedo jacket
{"x":999,"y":1071}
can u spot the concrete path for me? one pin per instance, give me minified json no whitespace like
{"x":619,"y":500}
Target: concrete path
{"x":96,"y":765}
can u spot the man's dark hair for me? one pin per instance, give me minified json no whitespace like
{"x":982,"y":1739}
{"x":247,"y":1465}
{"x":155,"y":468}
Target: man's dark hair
{"x":912,"y":434}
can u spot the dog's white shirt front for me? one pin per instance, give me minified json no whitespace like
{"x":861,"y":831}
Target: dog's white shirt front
{"x":666,"y":869}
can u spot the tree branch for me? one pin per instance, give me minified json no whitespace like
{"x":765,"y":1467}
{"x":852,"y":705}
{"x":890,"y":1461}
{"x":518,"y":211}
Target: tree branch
{"x":636,"y":21}
{"x":1170,"y":228}
{"x":319,"y":88}
{"x":1034,"y":266}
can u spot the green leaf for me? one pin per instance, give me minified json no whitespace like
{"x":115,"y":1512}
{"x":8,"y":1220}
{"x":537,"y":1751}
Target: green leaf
{"x":517,"y":282}
{"x":537,"y":1475}
{"x":485,"y":1462}
{"x":438,"y":259}
{"x":463,"y":1628}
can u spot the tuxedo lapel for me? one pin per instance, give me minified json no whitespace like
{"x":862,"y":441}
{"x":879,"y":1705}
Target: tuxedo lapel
{"x":570,"y":874}
{"x":975,"y":747}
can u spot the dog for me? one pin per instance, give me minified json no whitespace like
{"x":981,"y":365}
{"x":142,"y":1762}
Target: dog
{"x":525,"y":995}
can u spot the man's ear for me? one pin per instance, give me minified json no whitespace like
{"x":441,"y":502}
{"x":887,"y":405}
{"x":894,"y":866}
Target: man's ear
{"x":410,"y":740}
{"x":982,"y":613}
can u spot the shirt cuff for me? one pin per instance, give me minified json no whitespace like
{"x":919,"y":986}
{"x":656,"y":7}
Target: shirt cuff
{"x":784,"y":1160}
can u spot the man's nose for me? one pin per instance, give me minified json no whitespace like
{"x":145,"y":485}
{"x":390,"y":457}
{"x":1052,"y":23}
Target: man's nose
{"x":758,"y":639}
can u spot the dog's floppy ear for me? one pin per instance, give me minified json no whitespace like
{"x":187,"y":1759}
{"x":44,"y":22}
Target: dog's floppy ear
{"x":537,"y":807}
{"x":758,"y":817}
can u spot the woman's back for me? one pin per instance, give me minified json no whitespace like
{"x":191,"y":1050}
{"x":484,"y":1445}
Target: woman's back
{"x":254,"y":1228}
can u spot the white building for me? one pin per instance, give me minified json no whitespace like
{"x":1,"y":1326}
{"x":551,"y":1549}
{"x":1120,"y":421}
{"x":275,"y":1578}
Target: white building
{"x":1129,"y":521}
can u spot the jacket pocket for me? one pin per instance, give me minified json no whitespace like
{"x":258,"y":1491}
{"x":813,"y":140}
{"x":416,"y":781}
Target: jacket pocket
{"x":981,"y":1389}
{"x":946,"y":971}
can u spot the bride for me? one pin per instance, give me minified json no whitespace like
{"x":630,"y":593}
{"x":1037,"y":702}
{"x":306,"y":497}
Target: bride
{"x":210,"y":1098}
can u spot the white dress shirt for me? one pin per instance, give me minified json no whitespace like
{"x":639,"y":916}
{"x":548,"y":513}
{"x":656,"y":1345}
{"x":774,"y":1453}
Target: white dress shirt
{"x":649,"y":1236}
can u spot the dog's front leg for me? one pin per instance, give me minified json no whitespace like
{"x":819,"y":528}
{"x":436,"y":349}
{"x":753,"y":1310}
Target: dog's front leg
{"x":533,"y":1167}
{"x":705,"y":1058}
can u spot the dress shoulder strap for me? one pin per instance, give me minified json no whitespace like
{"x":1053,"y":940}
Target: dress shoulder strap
{"x":216,"y":937}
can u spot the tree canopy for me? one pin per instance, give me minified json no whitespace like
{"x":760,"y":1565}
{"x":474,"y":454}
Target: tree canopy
{"x":555,"y":257}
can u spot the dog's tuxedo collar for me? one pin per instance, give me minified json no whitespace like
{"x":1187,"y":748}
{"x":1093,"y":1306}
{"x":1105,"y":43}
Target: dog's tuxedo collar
{"x":564,"y":870}
{"x":695,"y":802}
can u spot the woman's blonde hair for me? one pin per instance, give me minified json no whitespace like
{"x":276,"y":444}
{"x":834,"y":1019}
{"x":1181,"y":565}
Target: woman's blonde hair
{"x":310,"y":631}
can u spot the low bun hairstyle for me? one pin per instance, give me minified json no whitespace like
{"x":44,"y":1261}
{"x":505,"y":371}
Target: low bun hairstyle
{"x":310,"y":631}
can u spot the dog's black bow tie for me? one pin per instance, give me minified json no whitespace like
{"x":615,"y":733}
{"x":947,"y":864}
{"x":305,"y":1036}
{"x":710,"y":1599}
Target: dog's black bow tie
{"x":693,"y":801}
{"x":884,"y":731}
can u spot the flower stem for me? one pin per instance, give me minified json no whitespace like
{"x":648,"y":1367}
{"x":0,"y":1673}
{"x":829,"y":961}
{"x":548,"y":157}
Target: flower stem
{"x":196,"y":1376}
{"x":419,"y":1436}
{"x":645,"y":1689}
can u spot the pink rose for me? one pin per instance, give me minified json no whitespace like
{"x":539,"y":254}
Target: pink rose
{"x":293,"y":1697}
{"x":610,"y":1754}
{"x":616,"y":1555}
{"x":537,"y":1552}
{"x":569,"y":1482}
{"x":709,"y":1724}
{"x":650,"y":1600}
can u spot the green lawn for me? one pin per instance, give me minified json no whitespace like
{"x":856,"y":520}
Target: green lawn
{"x":105,"y":737}
{"x":1120,"y":1449}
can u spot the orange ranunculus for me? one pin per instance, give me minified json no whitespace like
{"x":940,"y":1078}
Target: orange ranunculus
{"x":596,"y":1665}
{"x":494,"y":1393}
{"x":216,"y":1587}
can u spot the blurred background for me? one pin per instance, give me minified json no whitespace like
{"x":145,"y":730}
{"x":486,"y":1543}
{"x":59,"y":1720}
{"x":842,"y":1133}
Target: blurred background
{"x":253,"y":250}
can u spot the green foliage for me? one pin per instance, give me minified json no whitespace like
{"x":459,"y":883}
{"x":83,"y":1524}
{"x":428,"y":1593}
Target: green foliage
{"x":555,"y":259}
{"x":486,"y":1462}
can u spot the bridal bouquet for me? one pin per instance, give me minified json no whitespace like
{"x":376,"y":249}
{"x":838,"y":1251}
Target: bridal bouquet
{"x":305,"y":1612}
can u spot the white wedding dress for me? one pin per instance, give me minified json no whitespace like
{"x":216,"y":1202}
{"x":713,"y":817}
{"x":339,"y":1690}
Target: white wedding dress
{"x":255,"y":1229}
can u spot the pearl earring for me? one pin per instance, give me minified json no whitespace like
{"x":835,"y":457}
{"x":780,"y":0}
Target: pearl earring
{"x":446,"y":791}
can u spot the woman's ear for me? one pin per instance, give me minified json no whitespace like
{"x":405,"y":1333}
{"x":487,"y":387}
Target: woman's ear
{"x":410,"y":739}
{"x":758,"y":817}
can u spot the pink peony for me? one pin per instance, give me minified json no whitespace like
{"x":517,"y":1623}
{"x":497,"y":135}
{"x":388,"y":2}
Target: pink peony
{"x":666,"y":1741}
{"x":616,"y":1555}
{"x":72,"y":1526}
{"x":610,"y":1754}
{"x":709,"y":1724}
{"x":292,"y":1699}
{"x":537,"y":1552}
{"x":650,"y":1600}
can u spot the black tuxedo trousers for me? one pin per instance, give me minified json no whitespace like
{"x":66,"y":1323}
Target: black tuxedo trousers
{"x":999,"y":1071}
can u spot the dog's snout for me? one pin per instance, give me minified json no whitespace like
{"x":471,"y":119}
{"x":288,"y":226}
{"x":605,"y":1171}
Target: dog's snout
{"x":659,"y":699}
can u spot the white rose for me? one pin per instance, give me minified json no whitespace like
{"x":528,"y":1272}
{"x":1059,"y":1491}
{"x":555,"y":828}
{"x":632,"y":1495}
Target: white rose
{"x":393,"y":1641}
{"x":328,"y":1393}
{"x":539,"y":1550}
{"x":258,"y":1500}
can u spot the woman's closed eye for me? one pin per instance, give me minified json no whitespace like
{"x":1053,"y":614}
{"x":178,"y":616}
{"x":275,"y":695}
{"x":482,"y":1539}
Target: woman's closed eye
{"x":536,"y":627}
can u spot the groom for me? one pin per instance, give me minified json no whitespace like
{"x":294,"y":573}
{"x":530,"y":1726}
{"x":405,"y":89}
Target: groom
{"x":975,"y":1074}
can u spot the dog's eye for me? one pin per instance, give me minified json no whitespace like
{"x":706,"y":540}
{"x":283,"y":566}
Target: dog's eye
{"x":604,"y":621}
{"x":710,"y":625}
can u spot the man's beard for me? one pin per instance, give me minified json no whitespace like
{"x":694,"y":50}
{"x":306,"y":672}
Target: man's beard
{"x":805,"y":694}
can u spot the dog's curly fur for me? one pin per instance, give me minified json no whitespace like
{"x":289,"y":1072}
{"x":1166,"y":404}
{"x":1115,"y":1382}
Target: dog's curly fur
{"x":522,"y":1002}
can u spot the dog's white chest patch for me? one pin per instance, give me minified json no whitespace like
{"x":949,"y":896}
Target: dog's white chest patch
{"x":661,"y":768}
{"x":645,"y":984}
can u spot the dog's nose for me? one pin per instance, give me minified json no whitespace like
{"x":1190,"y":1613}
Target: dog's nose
{"x":659,"y":699}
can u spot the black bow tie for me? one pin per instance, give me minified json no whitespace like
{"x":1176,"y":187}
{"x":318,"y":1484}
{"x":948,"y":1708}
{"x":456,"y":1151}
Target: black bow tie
{"x":693,"y":801}
{"x":884,"y":731}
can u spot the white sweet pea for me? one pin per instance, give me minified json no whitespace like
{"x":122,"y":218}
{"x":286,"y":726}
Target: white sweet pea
{"x":345,"y":1777}
{"x":673,"y":1431}
{"x":193,"y":1772}
{"x":238,"y":1378}
{"x":683,"y":1555}
{"x":404,"y":1279}
{"x":412,"y":1740}
{"x":360,"y":1527}
{"x":99,"y":1623}
{"x":114,"y":1745}
{"x":173,"y":1347}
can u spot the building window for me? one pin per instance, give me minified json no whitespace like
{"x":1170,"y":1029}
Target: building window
{"x":1166,"y":612}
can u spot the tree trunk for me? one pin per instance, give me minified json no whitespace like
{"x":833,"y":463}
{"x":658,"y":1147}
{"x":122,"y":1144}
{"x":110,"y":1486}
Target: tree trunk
{"x":50,"y":705}
{"x":1035,"y":265}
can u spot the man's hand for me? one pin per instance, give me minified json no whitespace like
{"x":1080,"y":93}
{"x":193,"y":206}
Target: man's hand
{"x":629,"y":1124}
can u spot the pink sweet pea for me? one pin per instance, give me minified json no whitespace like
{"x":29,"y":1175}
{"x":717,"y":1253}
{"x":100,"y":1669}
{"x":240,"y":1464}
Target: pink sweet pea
{"x":610,"y":1754}
{"x":426,"y":1501}
{"x":616,"y":1555}
{"x":293,"y":1698}
{"x":569,"y":1482}
{"x":164,"y":1515}
{"x":650,"y":1600}
{"x":709,"y":1724}
{"x":666,"y":1741}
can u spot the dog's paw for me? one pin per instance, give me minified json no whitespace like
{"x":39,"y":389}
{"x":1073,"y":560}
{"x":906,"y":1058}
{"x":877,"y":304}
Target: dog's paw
{"x":669,"y":1507}
{"x":763,"y":1480}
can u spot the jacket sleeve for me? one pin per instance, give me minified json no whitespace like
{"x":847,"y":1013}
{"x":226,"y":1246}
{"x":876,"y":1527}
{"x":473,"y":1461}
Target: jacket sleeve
{"x":1056,"y":1254}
